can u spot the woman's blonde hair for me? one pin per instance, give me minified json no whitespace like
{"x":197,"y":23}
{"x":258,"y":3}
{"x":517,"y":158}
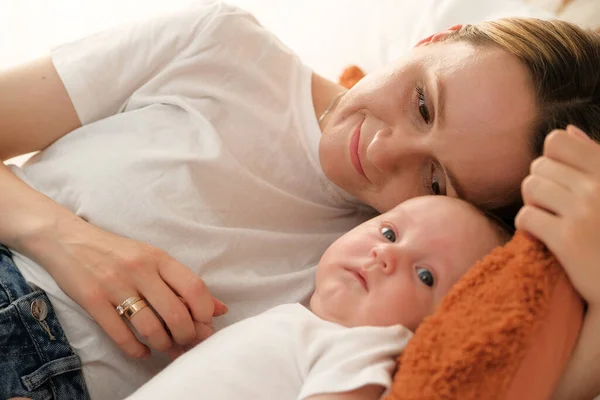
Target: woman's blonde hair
{"x":563,"y":61}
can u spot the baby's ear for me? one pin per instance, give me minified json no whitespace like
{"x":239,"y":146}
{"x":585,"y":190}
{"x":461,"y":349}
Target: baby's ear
{"x":436,"y":37}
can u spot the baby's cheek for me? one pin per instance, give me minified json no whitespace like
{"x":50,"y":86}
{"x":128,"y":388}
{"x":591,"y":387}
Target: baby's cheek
{"x":427,"y":303}
{"x":409,"y":311}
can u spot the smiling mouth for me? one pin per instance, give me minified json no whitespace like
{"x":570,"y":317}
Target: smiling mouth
{"x":354,"y":147}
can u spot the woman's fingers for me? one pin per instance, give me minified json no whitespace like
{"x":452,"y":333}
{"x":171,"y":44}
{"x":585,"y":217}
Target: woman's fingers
{"x":101,"y":309}
{"x":168,"y":306}
{"x":562,"y":206}
{"x":573,"y":149}
{"x":183,"y":302}
{"x":561,"y":188}
{"x":204,"y":331}
{"x":120,"y":333}
{"x":220,"y":308}
{"x":103,"y":271}
{"x":547,"y":194}
{"x":553,"y":170}
{"x":578,"y":133}
{"x":191,"y":288}
{"x":151,"y":329}
{"x":175,"y":351}
{"x":540,"y":224}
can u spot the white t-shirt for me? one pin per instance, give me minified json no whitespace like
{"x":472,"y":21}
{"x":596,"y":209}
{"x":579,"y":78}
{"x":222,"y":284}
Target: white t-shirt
{"x":286,"y":353}
{"x":199,"y":137}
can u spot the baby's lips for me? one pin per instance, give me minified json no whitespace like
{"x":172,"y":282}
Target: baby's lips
{"x":220,"y":308}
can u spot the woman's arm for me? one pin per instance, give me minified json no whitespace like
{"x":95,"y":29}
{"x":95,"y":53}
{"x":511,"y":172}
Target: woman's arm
{"x":368,"y":392}
{"x":562,"y":209}
{"x":35,"y":109}
{"x":99,"y":270}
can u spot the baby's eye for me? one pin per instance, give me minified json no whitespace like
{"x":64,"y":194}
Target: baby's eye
{"x":423,"y":109}
{"x":388,"y":234}
{"x":425,"y":276}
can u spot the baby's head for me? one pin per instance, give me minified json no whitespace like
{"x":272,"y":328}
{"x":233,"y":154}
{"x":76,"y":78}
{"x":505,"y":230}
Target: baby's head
{"x":395,"y":268}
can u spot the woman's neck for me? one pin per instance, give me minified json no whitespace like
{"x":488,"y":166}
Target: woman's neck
{"x":325,"y":96}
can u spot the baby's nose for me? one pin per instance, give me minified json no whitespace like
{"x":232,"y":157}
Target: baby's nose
{"x":385,"y":258}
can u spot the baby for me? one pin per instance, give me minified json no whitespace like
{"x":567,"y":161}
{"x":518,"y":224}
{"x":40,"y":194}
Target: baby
{"x":373,"y":288}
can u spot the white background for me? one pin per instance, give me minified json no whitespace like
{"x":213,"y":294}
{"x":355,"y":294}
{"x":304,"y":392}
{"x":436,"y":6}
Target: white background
{"x":29,"y":28}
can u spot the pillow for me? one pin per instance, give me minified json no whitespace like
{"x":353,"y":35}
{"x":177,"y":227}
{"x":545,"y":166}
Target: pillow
{"x":505,"y":331}
{"x":585,"y":13}
{"x":328,"y":35}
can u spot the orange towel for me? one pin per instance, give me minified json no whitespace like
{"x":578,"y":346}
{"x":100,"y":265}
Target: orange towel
{"x":505,"y":331}
{"x":350,"y":76}
{"x":493,"y":321}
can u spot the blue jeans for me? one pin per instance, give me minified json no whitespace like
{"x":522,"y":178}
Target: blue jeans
{"x":36,"y":360}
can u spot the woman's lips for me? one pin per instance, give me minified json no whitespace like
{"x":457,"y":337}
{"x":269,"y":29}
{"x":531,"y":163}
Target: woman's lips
{"x":354,"y":148}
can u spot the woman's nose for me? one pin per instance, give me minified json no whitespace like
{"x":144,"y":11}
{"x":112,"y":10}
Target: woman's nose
{"x":389,"y":151}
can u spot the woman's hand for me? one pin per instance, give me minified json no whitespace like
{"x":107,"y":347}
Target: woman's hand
{"x":562,"y":206}
{"x":100,"y":270}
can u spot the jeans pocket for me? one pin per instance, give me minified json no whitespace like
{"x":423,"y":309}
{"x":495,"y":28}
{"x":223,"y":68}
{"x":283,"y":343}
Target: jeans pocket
{"x":18,"y":356}
{"x":36,"y":359}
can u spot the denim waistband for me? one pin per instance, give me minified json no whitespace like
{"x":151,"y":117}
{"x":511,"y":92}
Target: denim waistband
{"x":36,"y":359}
{"x":11,"y":280}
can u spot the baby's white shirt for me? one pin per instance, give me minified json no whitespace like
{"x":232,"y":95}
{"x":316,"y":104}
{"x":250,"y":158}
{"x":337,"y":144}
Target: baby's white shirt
{"x":285,"y":353}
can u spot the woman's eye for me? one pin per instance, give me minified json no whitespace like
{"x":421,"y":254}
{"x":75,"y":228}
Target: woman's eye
{"x":388,"y":234}
{"x":425,"y":276}
{"x":435,"y":181}
{"x":423,"y":110}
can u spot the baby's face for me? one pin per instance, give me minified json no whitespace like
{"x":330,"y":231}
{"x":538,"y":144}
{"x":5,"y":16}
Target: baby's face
{"x":395,"y":268}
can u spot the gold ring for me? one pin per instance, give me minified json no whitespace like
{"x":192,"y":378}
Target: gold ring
{"x":126,"y":304}
{"x":134,"y":308}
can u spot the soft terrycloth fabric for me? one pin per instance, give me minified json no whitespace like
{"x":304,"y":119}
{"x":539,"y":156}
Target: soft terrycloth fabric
{"x":350,"y":76}
{"x":504,"y":332}
{"x":498,"y":334}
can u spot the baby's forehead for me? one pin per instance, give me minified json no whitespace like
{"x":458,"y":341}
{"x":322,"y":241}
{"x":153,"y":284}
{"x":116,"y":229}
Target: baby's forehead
{"x":440,"y":206}
{"x":438,"y":214}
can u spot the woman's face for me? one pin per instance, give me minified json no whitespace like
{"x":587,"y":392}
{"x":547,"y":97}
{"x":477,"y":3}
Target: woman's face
{"x":447,"y":119}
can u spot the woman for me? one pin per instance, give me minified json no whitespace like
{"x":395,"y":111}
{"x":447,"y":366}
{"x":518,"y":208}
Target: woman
{"x":197,"y":134}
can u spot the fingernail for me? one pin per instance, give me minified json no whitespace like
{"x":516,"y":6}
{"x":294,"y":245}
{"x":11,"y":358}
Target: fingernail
{"x":575,"y":131}
{"x":220,"y":304}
